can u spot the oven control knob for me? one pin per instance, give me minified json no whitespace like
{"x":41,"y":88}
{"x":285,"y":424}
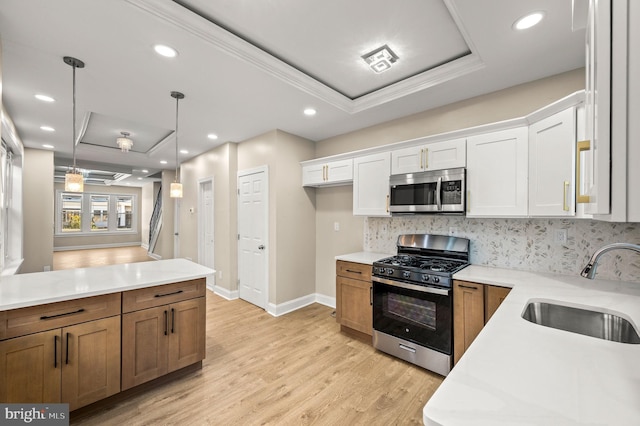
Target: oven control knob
{"x":436,"y":279}
{"x":425,"y":278}
{"x":389,"y":271}
{"x":406,"y":274}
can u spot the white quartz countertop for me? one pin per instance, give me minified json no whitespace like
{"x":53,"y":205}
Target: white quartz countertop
{"x":517,"y":372}
{"x":365,"y":257}
{"x":22,"y":290}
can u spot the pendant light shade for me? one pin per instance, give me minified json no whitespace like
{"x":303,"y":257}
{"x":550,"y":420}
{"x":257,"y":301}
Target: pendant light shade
{"x":176,"y":187}
{"x":73,"y":180}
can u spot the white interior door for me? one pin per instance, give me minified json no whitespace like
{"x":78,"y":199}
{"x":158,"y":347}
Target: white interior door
{"x":205,"y":226}
{"x":252,"y":236}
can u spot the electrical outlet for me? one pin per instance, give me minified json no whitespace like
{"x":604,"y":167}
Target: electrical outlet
{"x":336,"y":226}
{"x":219,"y":275}
{"x":560,"y":236}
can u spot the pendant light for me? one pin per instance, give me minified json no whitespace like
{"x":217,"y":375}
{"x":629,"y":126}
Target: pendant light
{"x":176,"y":186}
{"x":73,"y":180}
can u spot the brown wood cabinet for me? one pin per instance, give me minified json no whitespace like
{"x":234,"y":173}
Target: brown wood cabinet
{"x":473,"y":305}
{"x":353,"y":296}
{"x":162,"y":338}
{"x":78,"y":363}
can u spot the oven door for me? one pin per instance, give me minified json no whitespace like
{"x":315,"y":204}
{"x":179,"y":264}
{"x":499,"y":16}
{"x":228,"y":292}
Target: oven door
{"x":422,"y":315}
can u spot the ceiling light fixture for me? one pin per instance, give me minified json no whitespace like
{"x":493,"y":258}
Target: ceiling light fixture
{"x":44,"y":98}
{"x":46,"y":145}
{"x":212,"y":136}
{"x":73,"y":180}
{"x":163,"y":161}
{"x":380,"y":59}
{"x":309,"y":112}
{"x":124,"y":142}
{"x":166,"y":51}
{"x":47,"y":128}
{"x":528,"y":20}
{"x":176,"y":186}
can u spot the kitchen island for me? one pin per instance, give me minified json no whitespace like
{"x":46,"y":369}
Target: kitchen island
{"x":517,"y":372}
{"x":81,"y":335}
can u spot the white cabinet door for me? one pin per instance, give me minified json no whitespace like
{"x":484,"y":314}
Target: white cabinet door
{"x":432,"y":156}
{"x":497,"y":173}
{"x":446,"y":155}
{"x":330,"y":173}
{"x":552,"y":165}
{"x":371,"y":185}
{"x":407,"y":160}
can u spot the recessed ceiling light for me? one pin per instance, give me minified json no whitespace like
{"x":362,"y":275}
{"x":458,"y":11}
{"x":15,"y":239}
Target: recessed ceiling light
{"x":166,"y":51}
{"x":44,"y":98}
{"x":47,"y":128}
{"x":310,"y":112}
{"x":139,"y":178}
{"x":163,"y":161}
{"x":145,"y":171}
{"x":184,"y":151}
{"x":46,"y":145}
{"x":212,"y":136}
{"x":528,"y":21}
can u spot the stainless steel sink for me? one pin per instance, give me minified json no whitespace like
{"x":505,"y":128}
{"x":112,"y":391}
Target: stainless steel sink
{"x":588,"y":322}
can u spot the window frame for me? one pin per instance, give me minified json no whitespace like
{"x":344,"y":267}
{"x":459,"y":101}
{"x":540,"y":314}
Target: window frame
{"x":87,"y":214}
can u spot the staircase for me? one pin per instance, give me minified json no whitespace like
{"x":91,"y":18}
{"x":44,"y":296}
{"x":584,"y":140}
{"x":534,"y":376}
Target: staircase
{"x":155,"y":225}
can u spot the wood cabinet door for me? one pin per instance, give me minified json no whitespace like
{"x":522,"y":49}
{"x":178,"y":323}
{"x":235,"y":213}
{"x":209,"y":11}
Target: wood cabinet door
{"x":90,"y":361}
{"x":187,"y":333}
{"x":468,"y":315}
{"x":354,"y":304}
{"x":30,"y":368}
{"x":144,"y":345}
{"x":494,"y":296}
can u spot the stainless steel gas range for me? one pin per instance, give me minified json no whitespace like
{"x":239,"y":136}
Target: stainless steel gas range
{"x":413,"y":299}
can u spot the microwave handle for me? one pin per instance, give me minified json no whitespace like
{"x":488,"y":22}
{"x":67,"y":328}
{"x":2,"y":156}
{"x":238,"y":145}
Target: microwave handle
{"x":438,"y":189}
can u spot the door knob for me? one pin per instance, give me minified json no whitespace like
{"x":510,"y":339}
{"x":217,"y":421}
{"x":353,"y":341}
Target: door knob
{"x":261,"y":247}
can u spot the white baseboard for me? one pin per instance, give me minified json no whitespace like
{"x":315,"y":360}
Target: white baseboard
{"x":95,"y":246}
{"x":326,"y":300}
{"x":282,"y":308}
{"x":144,"y":246}
{"x":224,"y":293}
{"x":154,"y":256}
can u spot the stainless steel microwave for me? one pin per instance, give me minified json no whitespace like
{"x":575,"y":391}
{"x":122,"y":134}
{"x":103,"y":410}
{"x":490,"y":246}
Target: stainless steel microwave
{"x":437,"y":191}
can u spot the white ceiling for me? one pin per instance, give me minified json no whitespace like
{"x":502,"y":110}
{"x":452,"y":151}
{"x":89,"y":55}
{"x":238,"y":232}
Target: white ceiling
{"x":248,"y":67}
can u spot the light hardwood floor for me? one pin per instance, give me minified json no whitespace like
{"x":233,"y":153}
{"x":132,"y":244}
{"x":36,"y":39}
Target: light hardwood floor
{"x":98,"y":257}
{"x":296,"y":369}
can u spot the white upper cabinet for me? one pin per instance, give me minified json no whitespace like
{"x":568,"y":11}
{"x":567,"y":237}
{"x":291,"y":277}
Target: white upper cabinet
{"x":371,"y":184}
{"x":497,"y":173}
{"x":552,"y":144}
{"x":432,"y":156}
{"x":329,"y":173}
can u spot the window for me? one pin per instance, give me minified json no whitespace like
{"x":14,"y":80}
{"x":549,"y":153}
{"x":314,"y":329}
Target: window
{"x":93,"y":213}
{"x":71,"y":213}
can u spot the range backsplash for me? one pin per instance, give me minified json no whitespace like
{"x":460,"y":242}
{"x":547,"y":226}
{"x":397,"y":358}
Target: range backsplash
{"x":525,"y":244}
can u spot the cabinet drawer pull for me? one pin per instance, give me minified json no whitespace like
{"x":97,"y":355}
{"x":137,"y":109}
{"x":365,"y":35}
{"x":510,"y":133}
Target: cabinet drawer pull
{"x":565,"y":206}
{"x":169,"y":294}
{"x":407,"y":348}
{"x":46,"y":317}
{"x":55,"y":351}
{"x":353,"y":272}
{"x":173,"y":320}
{"x":67,"y":355}
{"x":467,"y":286}
{"x":166,"y":323}
{"x":371,"y":296}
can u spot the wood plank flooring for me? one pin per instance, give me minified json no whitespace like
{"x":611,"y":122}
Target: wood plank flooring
{"x":297,"y":369}
{"x":98,"y":257}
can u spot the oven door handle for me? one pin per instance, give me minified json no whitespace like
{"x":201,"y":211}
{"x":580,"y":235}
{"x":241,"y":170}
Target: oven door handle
{"x":422,"y":289}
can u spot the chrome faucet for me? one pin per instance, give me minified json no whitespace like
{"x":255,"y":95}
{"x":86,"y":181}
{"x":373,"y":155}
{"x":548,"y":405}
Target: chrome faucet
{"x":589,"y":271}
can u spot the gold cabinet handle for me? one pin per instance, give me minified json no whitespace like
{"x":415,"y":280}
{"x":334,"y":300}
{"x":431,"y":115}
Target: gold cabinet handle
{"x":581,"y":147}
{"x":387,"y":203}
{"x":426,"y":158}
{"x":565,"y":205}
{"x":325,"y":173}
{"x":421,"y":159}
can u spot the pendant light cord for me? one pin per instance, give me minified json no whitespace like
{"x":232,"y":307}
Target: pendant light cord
{"x":177,"y":175}
{"x":74,"y":117}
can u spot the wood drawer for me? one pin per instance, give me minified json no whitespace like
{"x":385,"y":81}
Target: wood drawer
{"x":150,"y":297}
{"x":22,"y":321}
{"x":357,"y":271}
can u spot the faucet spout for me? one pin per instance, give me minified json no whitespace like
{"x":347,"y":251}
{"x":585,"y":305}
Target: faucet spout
{"x":589,"y":270}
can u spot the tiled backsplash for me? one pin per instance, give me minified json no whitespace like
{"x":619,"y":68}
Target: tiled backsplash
{"x":525,"y":244}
